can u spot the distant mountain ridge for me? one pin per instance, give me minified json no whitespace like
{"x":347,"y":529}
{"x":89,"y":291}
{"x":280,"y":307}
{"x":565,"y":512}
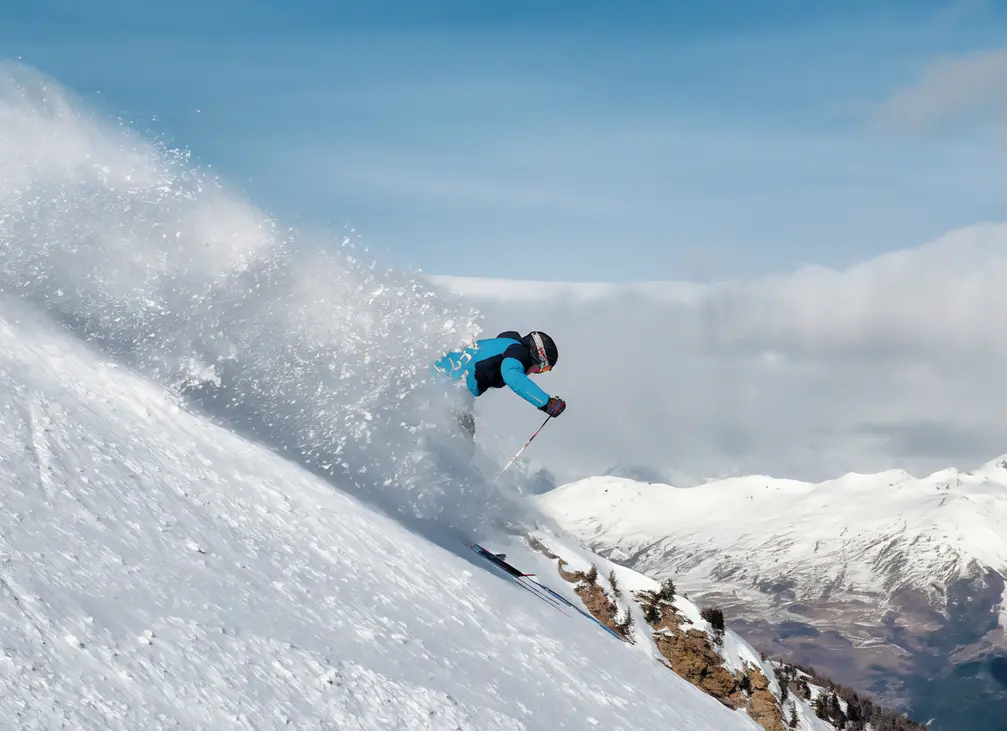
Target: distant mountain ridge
{"x":888,"y":582}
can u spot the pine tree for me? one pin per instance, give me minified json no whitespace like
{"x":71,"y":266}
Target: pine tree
{"x":821,"y":706}
{"x":746,"y":684}
{"x":652,"y":612}
{"x":716,"y":619}
{"x":793,"y":721}
{"x":804,"y":688}
{"x":624,"y":626}
{"x":836,"y":714}
{"x":612,"y":580}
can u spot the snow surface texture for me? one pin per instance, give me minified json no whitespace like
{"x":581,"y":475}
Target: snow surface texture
{"x":869,"y":534}
{"x":158,"y":570}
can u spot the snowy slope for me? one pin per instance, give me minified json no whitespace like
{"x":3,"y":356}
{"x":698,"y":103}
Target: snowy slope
{"x":158,"y":571}
{"x":538,"y":552}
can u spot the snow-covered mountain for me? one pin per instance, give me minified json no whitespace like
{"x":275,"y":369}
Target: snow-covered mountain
{"x":890,"y":583}
{"x":862,"y":534}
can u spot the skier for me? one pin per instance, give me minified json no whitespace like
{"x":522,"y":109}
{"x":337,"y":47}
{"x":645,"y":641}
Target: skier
{"x":506,"y":360}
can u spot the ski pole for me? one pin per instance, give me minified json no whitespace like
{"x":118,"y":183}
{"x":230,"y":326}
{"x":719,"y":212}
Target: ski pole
{"x":514,"y":459}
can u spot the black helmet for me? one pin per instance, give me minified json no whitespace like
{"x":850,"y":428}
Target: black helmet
{"x":540,"y":344}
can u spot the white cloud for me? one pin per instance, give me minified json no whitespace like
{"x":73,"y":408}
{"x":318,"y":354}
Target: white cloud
{"x":952,"y":89}
{"x":898,"y":361}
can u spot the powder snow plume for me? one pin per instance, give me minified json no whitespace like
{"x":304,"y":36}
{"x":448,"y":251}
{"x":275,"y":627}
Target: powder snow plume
{"x":304,"y":345}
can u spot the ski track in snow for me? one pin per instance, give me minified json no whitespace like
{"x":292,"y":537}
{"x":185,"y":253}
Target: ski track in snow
{"x":157,"y":571}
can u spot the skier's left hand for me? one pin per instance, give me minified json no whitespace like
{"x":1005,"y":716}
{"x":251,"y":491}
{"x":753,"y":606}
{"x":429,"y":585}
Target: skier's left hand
{"x":554,"y":406}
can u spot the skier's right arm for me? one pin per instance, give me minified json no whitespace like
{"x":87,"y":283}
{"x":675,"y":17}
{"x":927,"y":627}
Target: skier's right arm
{"x":514,"y":376}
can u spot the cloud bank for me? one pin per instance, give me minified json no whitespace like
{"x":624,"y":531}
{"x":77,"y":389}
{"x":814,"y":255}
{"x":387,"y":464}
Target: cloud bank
{"x":896,"y":362}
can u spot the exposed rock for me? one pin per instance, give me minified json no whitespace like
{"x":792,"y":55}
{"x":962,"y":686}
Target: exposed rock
{"x":537,"y":545}
{"x":572,"y":576}
{"x":762,"y":705}
{"x":596,"y":601}
{"x":690,"y":655}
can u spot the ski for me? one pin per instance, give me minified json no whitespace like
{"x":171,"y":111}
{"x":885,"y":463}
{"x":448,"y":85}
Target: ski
{"x":540,"y":590}
{"x":499,"y":561}
{"x":520,"y":578}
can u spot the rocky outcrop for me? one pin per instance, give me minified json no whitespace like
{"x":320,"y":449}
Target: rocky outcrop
{"x":595,"y":599}
{"x":689,"y":652}
{"x":692,"y":656}
{"x":761,"y":704}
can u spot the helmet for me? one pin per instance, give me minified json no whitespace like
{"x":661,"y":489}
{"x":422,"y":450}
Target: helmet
{"x":543,"y":348}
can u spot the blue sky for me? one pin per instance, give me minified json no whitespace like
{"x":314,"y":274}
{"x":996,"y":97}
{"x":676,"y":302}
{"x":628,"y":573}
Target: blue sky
{"x":563,"y":141}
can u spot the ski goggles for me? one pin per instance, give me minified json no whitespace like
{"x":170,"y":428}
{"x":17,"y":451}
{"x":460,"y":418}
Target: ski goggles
{"x":543,"y":359}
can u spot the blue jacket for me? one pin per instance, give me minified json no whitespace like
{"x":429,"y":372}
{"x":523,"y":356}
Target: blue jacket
{"x":495,"y":363}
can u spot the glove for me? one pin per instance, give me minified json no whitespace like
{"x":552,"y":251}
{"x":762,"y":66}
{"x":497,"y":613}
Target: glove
{"x":554,"y":406}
